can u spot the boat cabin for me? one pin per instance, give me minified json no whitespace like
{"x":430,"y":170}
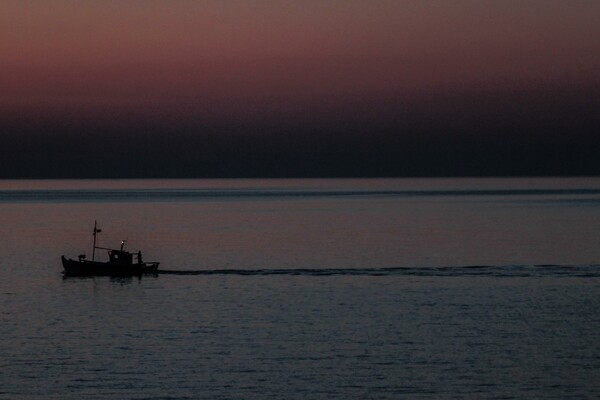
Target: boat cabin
{"x":120,"y":257}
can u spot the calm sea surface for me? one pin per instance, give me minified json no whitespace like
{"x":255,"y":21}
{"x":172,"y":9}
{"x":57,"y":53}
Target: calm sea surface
{"x":308,"y":289}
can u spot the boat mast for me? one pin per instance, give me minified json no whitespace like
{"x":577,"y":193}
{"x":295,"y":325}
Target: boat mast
{"x":96,"y":230}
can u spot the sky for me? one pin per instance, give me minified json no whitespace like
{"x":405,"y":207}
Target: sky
{"x":221,"y":88}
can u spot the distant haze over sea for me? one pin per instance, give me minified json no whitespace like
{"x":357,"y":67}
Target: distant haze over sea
{"x":545,"y":132}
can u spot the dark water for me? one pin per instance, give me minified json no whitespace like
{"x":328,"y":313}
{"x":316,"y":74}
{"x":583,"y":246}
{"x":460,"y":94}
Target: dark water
{"x":304,"y":289}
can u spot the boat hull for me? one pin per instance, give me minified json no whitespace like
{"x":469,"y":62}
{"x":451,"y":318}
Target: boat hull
{"x":96,"y":268}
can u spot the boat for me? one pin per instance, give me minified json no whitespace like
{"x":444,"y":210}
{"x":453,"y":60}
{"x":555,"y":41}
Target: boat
{"x":120,"y":262}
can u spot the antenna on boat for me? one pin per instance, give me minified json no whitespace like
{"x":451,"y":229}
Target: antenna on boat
{"x":96,"y":231}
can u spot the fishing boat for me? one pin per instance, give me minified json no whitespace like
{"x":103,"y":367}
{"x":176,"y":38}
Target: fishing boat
{"x":120,"y":262}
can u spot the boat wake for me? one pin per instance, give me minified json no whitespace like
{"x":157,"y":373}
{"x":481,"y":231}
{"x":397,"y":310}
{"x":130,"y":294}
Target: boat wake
{"x":581,"y":271}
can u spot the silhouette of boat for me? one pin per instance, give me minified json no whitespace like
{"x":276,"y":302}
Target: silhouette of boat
{"x":120,"y":262}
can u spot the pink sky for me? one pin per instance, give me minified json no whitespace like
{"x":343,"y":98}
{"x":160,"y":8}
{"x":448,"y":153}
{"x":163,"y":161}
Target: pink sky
{"x":269,"y":54}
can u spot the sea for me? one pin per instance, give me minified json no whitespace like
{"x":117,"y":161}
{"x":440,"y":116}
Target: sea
{"x":470,"y":288}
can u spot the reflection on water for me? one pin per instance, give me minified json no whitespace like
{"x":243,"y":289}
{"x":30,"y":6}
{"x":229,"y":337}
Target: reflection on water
{"x":414,"y":288}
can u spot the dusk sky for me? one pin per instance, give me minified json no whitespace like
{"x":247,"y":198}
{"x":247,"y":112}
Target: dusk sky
{"x":299,"y":88}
